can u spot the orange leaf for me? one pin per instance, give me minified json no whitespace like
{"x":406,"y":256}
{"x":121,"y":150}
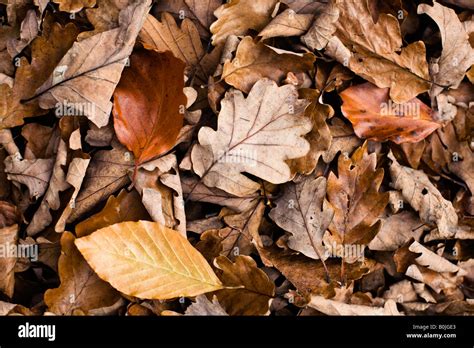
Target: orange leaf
{"x":147,"y":103}
{"x":375,"y":116}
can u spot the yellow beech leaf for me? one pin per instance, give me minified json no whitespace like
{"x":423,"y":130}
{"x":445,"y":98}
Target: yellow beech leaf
{"x":147,"y":260}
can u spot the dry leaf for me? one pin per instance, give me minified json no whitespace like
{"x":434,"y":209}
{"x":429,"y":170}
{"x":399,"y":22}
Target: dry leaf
{"x":8,"y":240}
{"x":323,"y":27}
{"x":424,"y":197}
{"x":74,"y":5}
{"x":355,"y":197}
{"x":203,"y":306}
{"x":253,"y":290}
{"x":373,"y":51}
{"x":35,"y":174}
{"x":150,"y":261}
{"x":101,"y":57}
{"x":8,"y":214}
{"x":126,"y":206}
{"x":184,"y":43}
{"x":287,"y":23}
{"x":299,"y":211}
{"x":330,"y":307}
{"x":457,"y":55}
{"x":195,"y":191}
{"x":81,"y":288}
{"x":255,"y":61}
{"x":375,"y":117}
{"x":112,"y":167}
{"x":259,"y":133}
{"x":147,"y":116}
{"x":236,"y":17}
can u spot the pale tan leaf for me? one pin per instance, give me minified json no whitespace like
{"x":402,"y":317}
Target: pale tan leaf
{"x":195,"y":191}
{"x":457,"y":55}
{"x":255,"y":61}
{"x":299,"y":211}
{"x":255,"y":135}
{"x":203,"y":306}
{"x":8,"y":240}
{"x":236,"y":17}
{"x":100,"y":59}
{"x":424,"y":197}
{"x":287,"y":23}
{"x":35,"y":174}
{"x":323,"y":27}
{"x":149,"y":261}
{"x":106,"y":173}
{"x":331,"y":307}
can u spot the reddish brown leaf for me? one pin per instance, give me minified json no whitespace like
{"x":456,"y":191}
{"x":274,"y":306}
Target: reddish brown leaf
{"x":375,"y":116}
{"x":147,"y":103}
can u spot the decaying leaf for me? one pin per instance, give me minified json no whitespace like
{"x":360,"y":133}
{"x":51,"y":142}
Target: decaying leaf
{"x":147,"y":116}
{"x":80,"y":288}
{"x":373,"y":51}
{"x":155,"y":262}
{"x":255,"y":61}
{"x":255,"y":135}
{"x":236,"y":17}
{"x":110,"y":51}
{"x":242,"y":170}
{"x":8,"y":241}
{"x":300,"y":211}
{"x":252,"y":289}
{"x":374,"y":115}
{"x":424,"y":197}
{"x":355,"y":197}
{"x":457,"y":55}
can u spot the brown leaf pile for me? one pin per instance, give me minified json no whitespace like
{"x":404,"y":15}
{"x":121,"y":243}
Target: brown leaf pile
{"x":248,"y":157}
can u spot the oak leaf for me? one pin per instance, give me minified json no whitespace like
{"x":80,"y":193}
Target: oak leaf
{"x":355,"y":197}
{"x":375,"y":117}
{"x":150,"y":261}
{"x":323,"y":27}
{"x":259,"y":133}
{"x":236,"y":17}
{"x":255,"y":61}
{"x":80,"y":288}
{"x":457,"y":55}
{"x":203,"y":306}
{"x":253,"y":289}
{"x":373,"y":51}
{"x":424,"y":197}
{"x":147,"y":103}
{"x":201,"y":12}
{"x":299,"y":211}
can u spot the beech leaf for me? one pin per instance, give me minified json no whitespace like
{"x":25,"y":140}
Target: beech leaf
{"x":374,"y":115}
{"x":147,"y":103}
{"x":149,"y":261}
